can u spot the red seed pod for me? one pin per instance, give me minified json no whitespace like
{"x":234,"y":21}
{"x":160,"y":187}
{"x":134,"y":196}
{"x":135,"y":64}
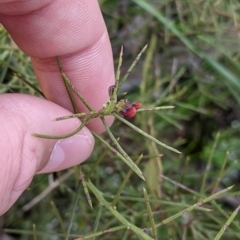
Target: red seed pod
{"x":137,"y":105}
{"x":129,"y":113}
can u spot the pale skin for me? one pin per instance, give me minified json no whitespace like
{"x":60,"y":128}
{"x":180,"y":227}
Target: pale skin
{"x":75,"y":31}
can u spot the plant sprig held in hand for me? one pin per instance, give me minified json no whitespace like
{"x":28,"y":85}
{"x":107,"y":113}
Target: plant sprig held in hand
{"x":122,"y":109}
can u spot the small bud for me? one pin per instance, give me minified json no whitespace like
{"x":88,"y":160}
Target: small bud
{"x":137,"y":105}
{"x":111,"y":90}
{"x":129,"y":113}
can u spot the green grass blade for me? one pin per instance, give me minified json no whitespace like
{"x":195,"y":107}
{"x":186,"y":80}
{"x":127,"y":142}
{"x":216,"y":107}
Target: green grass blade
{"x":228,"y":222}
{"x":209,"y":163}
{"x":124,"y":182}
{"x":115,"y":213}
{"x":227,"y":75}
{"x":73,"y":212}
{"x":194,"y":206}
{"x":93,"y":168}
{"x":97,"y":220}
{"x":34,"y":232}
{"x":166,"y":22}
{"x":105,"y":231}
{"x":55,"y":210}
{"x":221,"y":171}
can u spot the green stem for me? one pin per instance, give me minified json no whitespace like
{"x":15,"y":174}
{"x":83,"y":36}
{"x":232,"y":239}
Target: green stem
{"x":132,"y":66}
{"x":145,"y":134}
{"x":30,"y":85}
{"x":61,"y":136}
{"x":136,"y":170}
{"x":85,"y":189}
{"x":150,"y":214}
{"x":77,"y":93}
{"x":117,"y":75}
{"x":129,"y":161}
{"x":74,"y":105}
{"x":154,"y":108}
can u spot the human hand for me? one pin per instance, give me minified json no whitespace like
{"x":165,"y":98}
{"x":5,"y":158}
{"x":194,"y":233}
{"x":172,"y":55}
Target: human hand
{"x":75,"y":31}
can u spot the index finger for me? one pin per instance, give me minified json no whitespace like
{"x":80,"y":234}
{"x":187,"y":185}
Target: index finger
{"x":75,"y":31}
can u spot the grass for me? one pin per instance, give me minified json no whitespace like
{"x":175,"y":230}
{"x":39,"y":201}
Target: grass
{"x":192,"y":63}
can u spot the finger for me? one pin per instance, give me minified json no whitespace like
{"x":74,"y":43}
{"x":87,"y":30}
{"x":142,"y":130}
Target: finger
{"x":75,"y":31}
{"x":23,"y":155}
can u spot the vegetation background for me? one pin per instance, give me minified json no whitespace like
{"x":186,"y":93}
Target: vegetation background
{"x":193,"y":63}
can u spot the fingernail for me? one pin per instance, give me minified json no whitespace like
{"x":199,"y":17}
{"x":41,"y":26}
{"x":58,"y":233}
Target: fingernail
{"x":69,"y":152}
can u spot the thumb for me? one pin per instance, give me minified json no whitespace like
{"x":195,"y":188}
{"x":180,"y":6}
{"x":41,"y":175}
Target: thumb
{"x":23,"y":155}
